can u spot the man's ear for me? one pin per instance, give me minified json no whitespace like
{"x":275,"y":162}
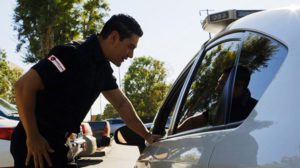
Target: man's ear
{"x":114,"y":36}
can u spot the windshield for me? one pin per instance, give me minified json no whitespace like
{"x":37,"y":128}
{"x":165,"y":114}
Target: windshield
{"x":7,"y":108}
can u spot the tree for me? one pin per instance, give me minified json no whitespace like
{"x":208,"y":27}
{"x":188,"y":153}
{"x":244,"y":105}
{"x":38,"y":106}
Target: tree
{"x":98,"y":117}
{"x":109,"y":112}
{"x":8,"y":76}
{"x":145,"y":86}
{"x":43,"y":24}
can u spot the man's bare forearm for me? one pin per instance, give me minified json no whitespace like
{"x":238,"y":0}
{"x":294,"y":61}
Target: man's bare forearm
{"x":121,"y":103}
{"x":26,"y":89}
{"x":131,"y":119}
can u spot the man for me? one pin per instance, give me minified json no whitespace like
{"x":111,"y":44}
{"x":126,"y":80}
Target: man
{"x":54,"y":96}
{"x":241,"y":106}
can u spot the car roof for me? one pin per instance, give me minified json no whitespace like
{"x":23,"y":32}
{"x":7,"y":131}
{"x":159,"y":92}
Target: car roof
{"x":114,"y":119}
{"x":280,"y":24}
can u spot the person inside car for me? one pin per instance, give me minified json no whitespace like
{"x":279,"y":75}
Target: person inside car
{"x":242,"y":102}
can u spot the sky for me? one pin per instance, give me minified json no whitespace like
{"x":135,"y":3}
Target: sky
{"x":172,"y":29}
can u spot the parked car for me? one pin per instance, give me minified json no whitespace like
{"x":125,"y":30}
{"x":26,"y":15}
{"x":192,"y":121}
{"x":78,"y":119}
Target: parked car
{"x":228,"y":121}
{"x":91,"y":143}
{"x":101,"y":131}
{"x":9,"y":118}
{"x":8,"y":110}
{"x":115,"y":123}
{"x":6,"y":129}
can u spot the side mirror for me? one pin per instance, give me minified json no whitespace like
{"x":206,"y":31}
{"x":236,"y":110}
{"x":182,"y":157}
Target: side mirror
{"x":125,"y":136}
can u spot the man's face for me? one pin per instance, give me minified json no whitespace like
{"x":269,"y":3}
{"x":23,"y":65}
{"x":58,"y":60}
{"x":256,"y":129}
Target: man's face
{"x":123,"y":49}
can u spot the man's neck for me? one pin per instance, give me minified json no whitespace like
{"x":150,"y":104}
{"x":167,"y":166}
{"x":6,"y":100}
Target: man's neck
{"x":104,"y":46}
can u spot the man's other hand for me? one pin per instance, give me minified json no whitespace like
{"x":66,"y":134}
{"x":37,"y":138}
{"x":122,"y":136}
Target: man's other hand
{"x":151,"y":138}
{"x":39,"y":148}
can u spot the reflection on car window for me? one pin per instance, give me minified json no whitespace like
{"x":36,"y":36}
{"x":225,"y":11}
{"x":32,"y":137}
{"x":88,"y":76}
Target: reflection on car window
{"x":201,"y":105}
{"x":262,"y":57}
{"x":163,"y":120}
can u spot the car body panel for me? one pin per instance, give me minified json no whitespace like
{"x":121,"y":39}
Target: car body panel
{"x":270,"y":125}
{"x":270,"y":131}
{"x":6,"y":159}
{"x":196,"y":152}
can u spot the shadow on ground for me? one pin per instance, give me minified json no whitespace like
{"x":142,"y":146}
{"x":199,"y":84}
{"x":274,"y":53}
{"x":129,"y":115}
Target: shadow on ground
{"x":91,"y":160}
{"x":88,"y":162}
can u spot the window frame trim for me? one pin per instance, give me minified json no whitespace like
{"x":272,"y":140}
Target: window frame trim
{"x":184,"y":91}
{"x":169,"y":97}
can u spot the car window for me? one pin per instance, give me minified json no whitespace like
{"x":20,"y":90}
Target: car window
{"x":117,"y":122}
{"x":260,"y":59}
{"x":164,"y":116}
{"x":7,"y":108}
{"x":201,"y":104}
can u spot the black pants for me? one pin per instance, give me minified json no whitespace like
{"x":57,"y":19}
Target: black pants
{"x":57,"y":142}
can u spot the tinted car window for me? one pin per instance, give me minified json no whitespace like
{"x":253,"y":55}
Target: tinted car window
{"x":201,"y":103}
{"x":262,"y":57}
{"x":117,"y":122}
{"x":163,"y":119}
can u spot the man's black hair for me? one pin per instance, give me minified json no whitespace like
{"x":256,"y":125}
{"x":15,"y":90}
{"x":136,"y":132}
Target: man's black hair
{"x":124,"y":24}
{"x":242,"y":73}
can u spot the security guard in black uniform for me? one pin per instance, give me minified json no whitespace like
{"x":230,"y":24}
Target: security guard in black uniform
{"x":55,"y":95}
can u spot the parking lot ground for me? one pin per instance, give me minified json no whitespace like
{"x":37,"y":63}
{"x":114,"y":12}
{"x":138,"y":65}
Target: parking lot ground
{"x":111,"y":157}
{"x":94,"y":159}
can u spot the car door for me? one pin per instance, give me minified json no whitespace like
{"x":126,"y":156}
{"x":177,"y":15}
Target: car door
{"x":193,"y":146}
{"x":250,"y":142}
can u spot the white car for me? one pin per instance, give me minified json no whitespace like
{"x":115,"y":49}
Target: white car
{"x":6,"y":129}
{"x":236,"y":104}
{"x":91,"y":143}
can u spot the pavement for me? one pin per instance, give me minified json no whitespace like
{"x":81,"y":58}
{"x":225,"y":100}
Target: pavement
{"x":111,"y":157}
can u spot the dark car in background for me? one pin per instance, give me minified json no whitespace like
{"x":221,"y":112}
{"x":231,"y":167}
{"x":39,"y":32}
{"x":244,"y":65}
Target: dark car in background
{"x":115,"y":123}
{"x":101,"y":131}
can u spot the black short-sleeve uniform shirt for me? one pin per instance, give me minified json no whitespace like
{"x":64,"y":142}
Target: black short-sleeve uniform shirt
{"x":73,"y":74}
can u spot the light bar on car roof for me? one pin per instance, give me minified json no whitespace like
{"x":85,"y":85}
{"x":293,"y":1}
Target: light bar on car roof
{"x":216,"y":22}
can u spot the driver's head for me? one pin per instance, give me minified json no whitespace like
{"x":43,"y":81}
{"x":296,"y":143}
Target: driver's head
{"x":241,"y":80}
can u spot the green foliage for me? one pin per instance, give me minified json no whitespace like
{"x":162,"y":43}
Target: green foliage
{"x":145,"y":85}
{"x":109,"y":112}
{"x":256,"y":53}
{"x":98,"y":117}
{"x":43,"y":24}
{"x":202,"y":92}
{"x":8,"y":76}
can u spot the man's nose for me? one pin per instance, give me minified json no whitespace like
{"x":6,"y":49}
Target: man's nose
{"x":130,"y":54}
